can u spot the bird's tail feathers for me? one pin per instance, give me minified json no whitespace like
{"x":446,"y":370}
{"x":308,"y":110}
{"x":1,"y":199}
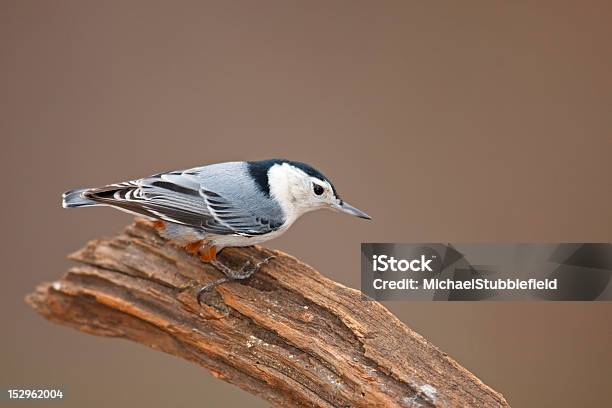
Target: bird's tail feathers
{"x":75,"y":198}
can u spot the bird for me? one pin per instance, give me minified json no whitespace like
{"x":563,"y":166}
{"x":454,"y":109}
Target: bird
{"x":232,"y":204}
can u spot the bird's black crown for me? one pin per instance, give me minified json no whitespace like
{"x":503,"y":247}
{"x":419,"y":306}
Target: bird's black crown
{"x":259,"y":172}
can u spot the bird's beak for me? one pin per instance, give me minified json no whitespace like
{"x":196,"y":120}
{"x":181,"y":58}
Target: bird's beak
{"x":349,"y":209}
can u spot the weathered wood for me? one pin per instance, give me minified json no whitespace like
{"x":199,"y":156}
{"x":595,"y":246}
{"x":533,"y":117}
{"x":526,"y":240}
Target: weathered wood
{"x":288,"y":334}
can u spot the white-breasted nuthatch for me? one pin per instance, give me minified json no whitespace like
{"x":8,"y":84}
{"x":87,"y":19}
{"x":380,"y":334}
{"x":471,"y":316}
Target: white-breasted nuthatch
{"x":234,"y":204}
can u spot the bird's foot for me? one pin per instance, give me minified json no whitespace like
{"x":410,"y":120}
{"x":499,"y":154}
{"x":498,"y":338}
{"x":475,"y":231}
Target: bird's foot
{"x":231,"y":274}
{"x":244,"y":272}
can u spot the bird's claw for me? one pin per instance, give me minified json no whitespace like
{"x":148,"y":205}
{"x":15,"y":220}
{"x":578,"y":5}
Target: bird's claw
{"x":265,"y":261}
{"x":244,"y":267}
{"x":255,"y":268}
{"x":243,"y":273}
{"x":208,"y":287}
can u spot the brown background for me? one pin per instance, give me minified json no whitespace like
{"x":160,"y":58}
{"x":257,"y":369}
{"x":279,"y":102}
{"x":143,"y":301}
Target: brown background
{"x":481,"y":122}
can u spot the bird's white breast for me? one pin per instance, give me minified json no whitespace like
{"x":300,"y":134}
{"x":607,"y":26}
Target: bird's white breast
{"x":222,"y":241}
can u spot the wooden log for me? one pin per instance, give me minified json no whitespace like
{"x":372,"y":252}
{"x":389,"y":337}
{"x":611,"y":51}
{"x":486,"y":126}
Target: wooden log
{"x":288,"y":334}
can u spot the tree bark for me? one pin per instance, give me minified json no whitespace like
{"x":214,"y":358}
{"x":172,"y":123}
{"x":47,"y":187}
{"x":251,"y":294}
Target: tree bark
{"x":288,"y":334}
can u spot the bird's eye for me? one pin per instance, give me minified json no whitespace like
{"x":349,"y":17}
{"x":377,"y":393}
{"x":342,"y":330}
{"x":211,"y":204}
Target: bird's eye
{"x":318,"y":190}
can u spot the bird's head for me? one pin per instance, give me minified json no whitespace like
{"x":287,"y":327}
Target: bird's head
{"x":299,"y":188}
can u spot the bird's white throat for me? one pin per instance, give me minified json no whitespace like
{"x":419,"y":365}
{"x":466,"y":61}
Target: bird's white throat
{"x":290,"y":186}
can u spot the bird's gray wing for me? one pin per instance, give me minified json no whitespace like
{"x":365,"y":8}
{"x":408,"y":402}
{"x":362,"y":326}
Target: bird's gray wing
{"x":239,"y":218}
{"x":173,"y":197}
